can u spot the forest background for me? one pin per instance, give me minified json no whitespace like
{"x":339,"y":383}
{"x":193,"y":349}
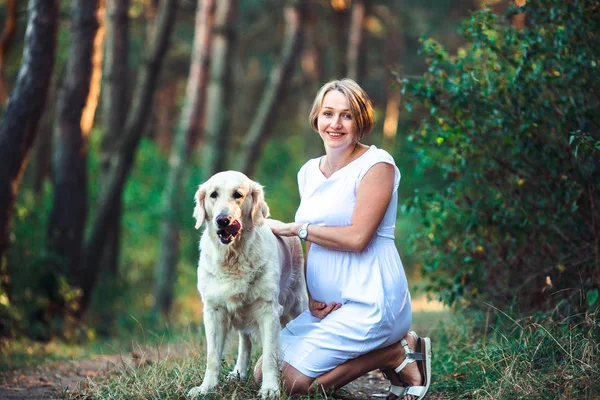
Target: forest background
{"x":114,"y":111}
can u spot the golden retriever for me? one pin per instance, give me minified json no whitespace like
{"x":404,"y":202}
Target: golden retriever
{"x":248,"y":278}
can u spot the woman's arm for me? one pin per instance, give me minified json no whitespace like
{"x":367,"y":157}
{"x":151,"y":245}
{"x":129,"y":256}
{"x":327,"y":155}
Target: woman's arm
{"x":372,"y":198}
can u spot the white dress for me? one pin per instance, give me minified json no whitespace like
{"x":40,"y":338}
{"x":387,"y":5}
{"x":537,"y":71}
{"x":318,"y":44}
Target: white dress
{"x":370,"y":285}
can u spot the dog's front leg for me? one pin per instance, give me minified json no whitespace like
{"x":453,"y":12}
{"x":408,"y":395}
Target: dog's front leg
{"x":215,"y":325}
{"x":243,"y":359}
{"x":269,"y":334}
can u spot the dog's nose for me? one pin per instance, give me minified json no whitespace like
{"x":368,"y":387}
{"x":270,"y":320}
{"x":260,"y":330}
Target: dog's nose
{"x":223,"y":220}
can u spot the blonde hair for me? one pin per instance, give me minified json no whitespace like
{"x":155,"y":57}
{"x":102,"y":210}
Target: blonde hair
{"x":360,"y":104}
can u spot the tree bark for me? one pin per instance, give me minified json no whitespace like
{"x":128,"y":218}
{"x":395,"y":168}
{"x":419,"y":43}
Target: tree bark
{"x":190,"y":122}
{"x":518,"y":20}
{"x":24,"y":109}
{"x":91,"y":104}
{"x":355,"y":40}
{"x":394,"y":52}
{"x":41,"y":152}
{"x":115,"y":100}
{"x":6,"y":41}
{"x":69,"y":164}
{"x":313,"y":70}
{"x":261,"y":126}
{"x":134,"y":128}
{"x":218,"y":91}
{"x":340,"y":40}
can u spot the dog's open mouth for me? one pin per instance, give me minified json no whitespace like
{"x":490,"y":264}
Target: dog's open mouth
{"x":227,"y":234}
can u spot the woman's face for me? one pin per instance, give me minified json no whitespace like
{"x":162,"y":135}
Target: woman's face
{"x":336,"y":124}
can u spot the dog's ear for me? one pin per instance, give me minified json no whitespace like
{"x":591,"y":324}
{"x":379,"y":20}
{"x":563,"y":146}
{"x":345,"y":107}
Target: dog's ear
{"x":199,"y":212}
{"x":260,"y":209}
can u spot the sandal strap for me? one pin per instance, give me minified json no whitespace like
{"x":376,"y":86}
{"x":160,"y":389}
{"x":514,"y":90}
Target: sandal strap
{"x":417,"y":391}
{"x":397,"y":390}
{"x":410,"y":356}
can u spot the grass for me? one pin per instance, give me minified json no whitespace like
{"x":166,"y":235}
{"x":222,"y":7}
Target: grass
{"x":510,"y":359}
{"x":23,"y":353}
{"x":476,"y":356}
{"x":514,"y":359}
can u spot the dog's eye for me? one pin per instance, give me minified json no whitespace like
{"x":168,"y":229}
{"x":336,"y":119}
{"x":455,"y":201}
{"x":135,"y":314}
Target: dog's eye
{"x":213,"y":195}
{"x":237,"y":195}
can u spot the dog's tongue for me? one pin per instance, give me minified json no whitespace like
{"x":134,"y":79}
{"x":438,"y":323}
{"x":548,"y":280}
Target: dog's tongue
{"x":233,"y":228}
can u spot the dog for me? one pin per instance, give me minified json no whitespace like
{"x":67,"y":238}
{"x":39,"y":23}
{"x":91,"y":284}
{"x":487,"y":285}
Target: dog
{"x":249,"y":279}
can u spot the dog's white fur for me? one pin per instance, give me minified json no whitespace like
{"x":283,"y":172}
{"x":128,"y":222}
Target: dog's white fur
{"x":254,"y":282}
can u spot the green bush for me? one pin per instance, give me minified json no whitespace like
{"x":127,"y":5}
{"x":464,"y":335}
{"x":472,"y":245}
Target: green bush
{"x":511,"y":122}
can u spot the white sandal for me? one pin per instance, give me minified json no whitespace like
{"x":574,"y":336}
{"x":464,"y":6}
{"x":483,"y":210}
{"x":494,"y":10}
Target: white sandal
{"x":422,"y":356}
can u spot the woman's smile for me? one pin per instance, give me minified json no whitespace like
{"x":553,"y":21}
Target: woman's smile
{"x":335,"y":121}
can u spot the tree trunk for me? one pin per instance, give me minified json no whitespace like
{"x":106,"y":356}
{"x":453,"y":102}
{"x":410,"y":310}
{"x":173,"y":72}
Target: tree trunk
{"x":355,"y":40}
{"x":518,"y":20}
{"x":340,"y":25}
{"x":121,"y":166}
{"x":41,"y":153}
{"x":394,"y":52}
{"x":6,"y":41}
{"x":260,"y":129}
{"x":115,"y":100}
{"x":313,"y":70}
{"x":91,"y":104}
{"x":23,"y":112}
{"x":218,"y":92}
{"x":69,"y":164}
{"x":190,"y":122}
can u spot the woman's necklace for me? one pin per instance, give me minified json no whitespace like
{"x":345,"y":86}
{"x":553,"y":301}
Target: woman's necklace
{"x":343,"y":165}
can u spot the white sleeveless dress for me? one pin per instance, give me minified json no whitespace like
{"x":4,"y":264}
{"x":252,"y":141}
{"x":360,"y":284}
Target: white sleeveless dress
{"x":370,"y":285}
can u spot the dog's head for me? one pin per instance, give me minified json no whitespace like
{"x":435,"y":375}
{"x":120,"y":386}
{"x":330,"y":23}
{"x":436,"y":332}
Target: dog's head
{"x":230,"y":202}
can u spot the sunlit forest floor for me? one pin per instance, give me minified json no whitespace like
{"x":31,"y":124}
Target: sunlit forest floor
{"x":479,"y":356}
{"x":61,"y":371}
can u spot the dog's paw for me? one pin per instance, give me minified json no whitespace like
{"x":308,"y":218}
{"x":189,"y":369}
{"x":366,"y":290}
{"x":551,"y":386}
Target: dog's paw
{"x":203,"y":389}
{"x":269,"y":391}
{"x":194,"y":392}
{"x":236,"y":375}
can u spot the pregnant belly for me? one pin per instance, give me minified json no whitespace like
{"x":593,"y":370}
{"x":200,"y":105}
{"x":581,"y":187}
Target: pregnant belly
{"x":327,"y":274}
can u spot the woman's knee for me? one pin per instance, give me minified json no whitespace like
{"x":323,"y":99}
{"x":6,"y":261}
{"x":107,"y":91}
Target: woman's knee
{"x":258,"y":371}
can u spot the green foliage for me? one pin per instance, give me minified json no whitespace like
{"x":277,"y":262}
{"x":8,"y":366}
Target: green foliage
{"x":511,"y":124}
{"x":42,"y":304}
{"x":277,"y":173}
{"x":122,"y":305}
{"x":493,"y":356}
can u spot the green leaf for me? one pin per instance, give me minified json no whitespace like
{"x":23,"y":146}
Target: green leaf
{"x":592,"y":297}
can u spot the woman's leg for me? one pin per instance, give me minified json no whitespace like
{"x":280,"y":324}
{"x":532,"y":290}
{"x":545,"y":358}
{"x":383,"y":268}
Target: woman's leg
{"x":386,"y":358}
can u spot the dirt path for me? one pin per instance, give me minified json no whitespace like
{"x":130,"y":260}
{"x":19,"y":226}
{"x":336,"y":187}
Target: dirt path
{"x":54,"y":381}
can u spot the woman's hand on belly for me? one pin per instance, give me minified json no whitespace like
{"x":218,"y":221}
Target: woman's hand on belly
{"x":320,"y":309}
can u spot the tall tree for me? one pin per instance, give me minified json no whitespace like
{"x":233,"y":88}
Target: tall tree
{"x":215,"y":149}
{"x":393,"y":56}
{"x":313,"y":69}
{"x":91,"y":105}
{"x":25,"y":106}
{"x":261,"y":127}
{"x":115,"y":101}
{"x":340,"y":36}
{"x":123,"y":160}
{"x":191,"y":121}
{"x":355,"y":39}
{"x":69,"y":166}
{"x":6,"y":41}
